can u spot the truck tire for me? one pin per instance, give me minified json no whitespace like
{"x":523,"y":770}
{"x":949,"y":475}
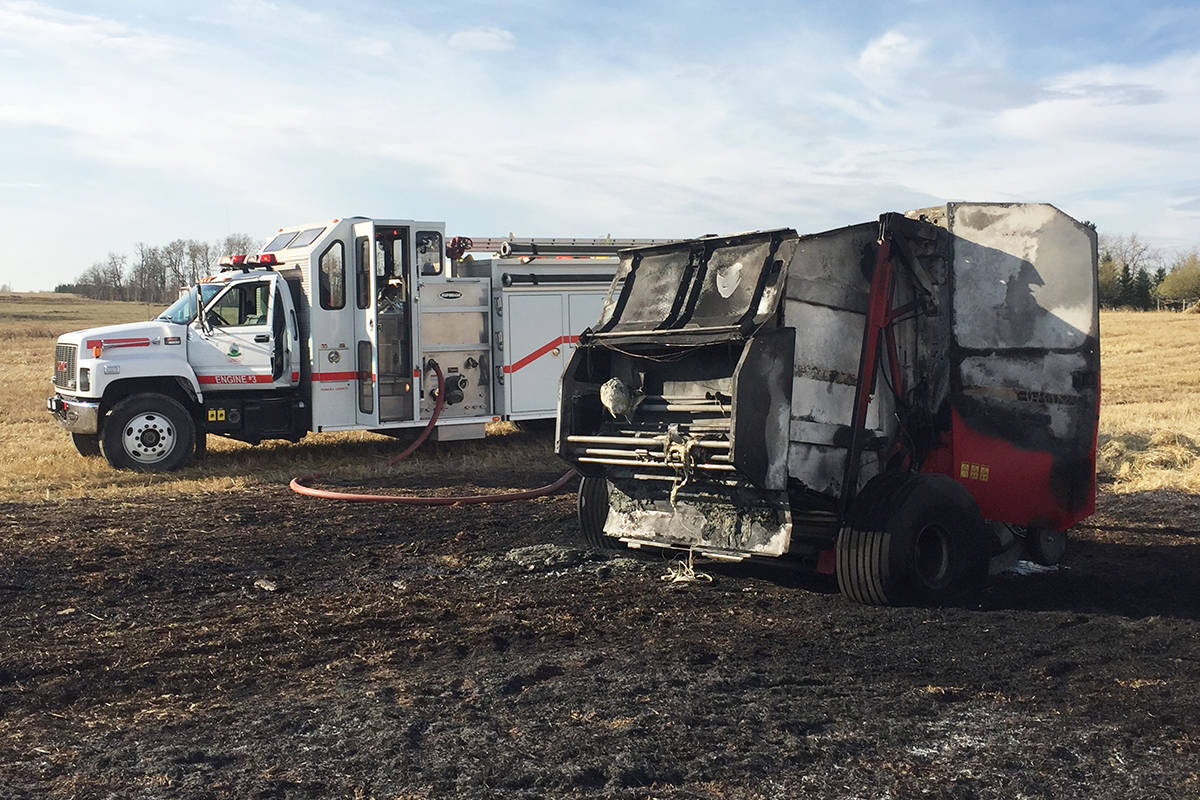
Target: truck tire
{"x":593,"y":510}
{"x":86,"y":444}
{"x":1045,"y":545}
{"x":148,"y":433}
{"x":922,"y":541}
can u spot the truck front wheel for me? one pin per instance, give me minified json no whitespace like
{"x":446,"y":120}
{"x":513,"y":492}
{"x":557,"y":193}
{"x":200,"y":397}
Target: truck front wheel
{"x":148,"y":433}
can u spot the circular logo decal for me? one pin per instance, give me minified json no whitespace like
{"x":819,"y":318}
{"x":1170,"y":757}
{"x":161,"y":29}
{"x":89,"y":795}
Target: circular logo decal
{"x":334,"y":356}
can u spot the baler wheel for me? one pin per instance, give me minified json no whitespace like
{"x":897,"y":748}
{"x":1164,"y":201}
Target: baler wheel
{"x":593,"y":510}
{"x":921,"y":540}
{"x":1045,"y":545}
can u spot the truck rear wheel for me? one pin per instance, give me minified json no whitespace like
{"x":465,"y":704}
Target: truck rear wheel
{"x":593,"y":511}
{"x":922,"y":540}
{"x":86,"y":444}
{"x":148,"y":433}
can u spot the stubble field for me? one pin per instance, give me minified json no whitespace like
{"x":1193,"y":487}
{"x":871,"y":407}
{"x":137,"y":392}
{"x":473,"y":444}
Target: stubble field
{"x":476,"y":651}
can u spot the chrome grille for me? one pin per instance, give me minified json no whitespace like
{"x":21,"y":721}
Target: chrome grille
{"x":64,"y":365}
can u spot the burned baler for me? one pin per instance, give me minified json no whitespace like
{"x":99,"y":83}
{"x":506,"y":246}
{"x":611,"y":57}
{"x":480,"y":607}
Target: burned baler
{"x":894,"y":400}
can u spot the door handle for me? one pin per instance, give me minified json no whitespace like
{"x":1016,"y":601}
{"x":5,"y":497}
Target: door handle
{"x":262,"y":337}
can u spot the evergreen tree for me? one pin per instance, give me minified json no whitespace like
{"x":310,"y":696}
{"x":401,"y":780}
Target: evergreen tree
{"x":1126,"y":279}
{"x":1110,"y":282}
{"x":1142,"y":287}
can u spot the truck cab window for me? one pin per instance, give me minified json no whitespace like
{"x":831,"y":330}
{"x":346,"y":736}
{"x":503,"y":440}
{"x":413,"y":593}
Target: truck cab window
{"x":244,"y":304}
{"x":362,"y":272}
{"x":280,"y":242}
{"x":391,"y":254}
{"x":429,"y":252}
{"x":183,"y":310}
{"x":279,"y":334}
{"x":332,"y":277}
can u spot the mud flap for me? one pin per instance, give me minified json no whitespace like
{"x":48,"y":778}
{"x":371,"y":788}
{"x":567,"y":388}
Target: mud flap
{"x":723,"y":522}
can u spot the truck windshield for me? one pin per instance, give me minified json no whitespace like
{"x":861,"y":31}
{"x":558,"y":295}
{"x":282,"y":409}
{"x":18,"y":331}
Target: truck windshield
{"x":183,"y":310}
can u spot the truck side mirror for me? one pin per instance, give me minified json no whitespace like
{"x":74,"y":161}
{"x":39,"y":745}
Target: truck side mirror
{"x":201,"y":317}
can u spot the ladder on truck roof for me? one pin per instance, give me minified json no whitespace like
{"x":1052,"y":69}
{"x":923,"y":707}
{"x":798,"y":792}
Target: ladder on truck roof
{"x":532,"y":246}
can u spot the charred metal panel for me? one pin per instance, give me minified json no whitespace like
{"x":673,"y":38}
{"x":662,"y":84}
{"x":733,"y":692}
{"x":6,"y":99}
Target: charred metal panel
{"x":762,"y":394}
{"x":821,"y":468}
{"x":652,"y":286}
{"x":723,"y":519}
{"x":1025,"y":361}
{"x":1024,"y":276}
{"x":729,"y":283}
{"x":1038,"y":388}
{"x":837,"y":260}
{"x":827,"y":288}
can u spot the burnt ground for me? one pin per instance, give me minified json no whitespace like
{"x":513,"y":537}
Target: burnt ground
{"x":478,"y":652}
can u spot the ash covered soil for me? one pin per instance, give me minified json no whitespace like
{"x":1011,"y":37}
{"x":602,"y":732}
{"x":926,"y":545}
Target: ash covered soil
{"x":478,"y":651}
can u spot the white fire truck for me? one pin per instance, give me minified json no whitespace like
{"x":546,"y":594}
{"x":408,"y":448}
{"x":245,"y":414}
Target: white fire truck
{"x":337,"y":326}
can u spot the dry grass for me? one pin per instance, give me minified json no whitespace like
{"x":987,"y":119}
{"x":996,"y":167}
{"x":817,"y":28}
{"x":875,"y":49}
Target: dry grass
{"x":1149,"y":422}
{"x":41,"y":463}
{"x":1150,"y":410}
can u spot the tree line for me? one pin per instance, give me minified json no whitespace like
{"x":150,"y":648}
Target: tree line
{"x":1135,"y":275}
{"x":154,"y":274}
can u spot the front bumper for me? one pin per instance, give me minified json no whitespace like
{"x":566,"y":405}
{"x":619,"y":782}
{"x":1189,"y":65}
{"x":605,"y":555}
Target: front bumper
{"x":77,"y":416}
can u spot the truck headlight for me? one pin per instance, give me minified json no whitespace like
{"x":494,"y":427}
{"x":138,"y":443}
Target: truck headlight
{"x":85,"y":379}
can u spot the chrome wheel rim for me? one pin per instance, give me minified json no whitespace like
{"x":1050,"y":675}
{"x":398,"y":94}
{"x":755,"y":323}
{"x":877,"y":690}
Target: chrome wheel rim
{"x":149,"y":437}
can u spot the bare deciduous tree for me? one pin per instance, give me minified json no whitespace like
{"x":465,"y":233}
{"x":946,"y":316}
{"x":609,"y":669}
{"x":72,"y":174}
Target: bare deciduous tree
{"x":199,"y":260}
{"x":238,"y":243}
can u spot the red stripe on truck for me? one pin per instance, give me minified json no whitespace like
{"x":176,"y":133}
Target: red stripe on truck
{"x":222,"y":380}
{"x":335,"y":376}
{"x":142,"y":342}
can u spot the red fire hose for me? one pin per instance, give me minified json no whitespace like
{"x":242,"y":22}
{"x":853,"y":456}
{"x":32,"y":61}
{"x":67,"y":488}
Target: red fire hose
{"x":297,"y":484}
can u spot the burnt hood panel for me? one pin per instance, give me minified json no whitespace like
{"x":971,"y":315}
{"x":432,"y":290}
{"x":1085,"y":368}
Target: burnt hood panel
{"x":717,"y":284}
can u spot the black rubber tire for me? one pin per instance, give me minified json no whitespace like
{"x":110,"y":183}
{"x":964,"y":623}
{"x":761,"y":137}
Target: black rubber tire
{"x":922,"y":541}
{"x":593,"y":511}
{"x":86,"y":444}
{"x":1046,"y":546}
{"x":165,"y":417}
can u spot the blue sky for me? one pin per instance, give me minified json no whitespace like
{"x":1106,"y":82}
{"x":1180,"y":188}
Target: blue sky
{"x":132,"y":120}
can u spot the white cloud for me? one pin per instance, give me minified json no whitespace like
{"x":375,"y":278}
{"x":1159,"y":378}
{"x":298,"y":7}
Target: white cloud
{"x":376,"y":48}
{"x":483,"y":39}
{"x":887,"y":55}
{"x":654,"y":141}
{"x":35,"y":24}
